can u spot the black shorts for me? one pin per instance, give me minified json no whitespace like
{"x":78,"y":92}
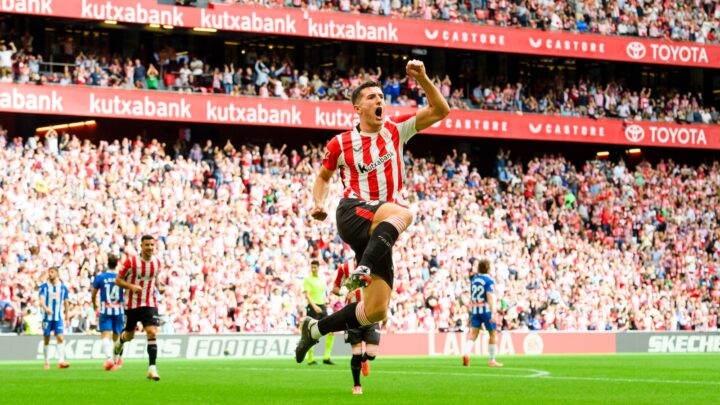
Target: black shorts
{"x":354,"y":219}
{"x":315,"y":315}
{"x":148,"y":316}
{"x":368,"y":334}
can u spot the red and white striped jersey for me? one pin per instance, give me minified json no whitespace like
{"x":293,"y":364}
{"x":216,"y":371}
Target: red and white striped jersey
{"x":343,"y":272}
{"x":137,"y":271}
{"x":371,"y":164}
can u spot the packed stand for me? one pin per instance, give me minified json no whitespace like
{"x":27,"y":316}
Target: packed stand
{"x":601,"y":247}
{"x":682,"y":20}
{"x":277,"y":76}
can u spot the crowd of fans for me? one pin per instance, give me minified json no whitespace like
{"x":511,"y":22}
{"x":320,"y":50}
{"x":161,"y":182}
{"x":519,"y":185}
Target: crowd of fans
{"x":277,"y":76}
{"x":680,"y":20}
{"x":598,"y":247}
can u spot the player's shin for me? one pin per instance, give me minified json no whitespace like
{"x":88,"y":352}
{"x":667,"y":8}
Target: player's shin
{"x":355,"y":364}
{"x":152,"y":351}
{"x":107,"y":347}
{"x":61,"y":352}
{"x":350,"y":317}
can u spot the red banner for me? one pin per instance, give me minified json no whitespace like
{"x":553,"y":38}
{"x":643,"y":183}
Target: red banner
{"x":453,"y":344}
{"x":99,"y":102}
{"x":354,"y":27}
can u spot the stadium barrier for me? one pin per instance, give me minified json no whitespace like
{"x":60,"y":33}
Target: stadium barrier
{"x":85,"y":347}
{"x":353,"y":27}
{"x":96,"y":102}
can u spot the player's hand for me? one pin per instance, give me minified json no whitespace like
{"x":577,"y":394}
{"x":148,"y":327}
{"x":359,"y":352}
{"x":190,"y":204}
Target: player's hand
{"x":135,"y":288}
{"x":415,"y":69}
{"x":48,"y":311}
{"x":492,"y":318}
{"x":318,"y":213}
{"x":344,"y":290}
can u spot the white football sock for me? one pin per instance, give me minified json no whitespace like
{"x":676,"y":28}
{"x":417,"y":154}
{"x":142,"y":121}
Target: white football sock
{"x":315,"y":331}
{"x":493,"y":350}
{"x":107,"y":347}
{"x":61,"y":352}
{"x":469,"y":346}
{"x":46,"y":355}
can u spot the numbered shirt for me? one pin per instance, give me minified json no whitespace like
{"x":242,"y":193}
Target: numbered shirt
{"x":53,"y":296}
{"x":111,"y":297}
{"x":480,"y":286}
{"x":371,"y":164}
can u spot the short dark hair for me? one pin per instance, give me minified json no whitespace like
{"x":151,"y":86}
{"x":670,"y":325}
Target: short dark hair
{"x":112,"y":261}
{"x":315,"y":262}
{"x":360,"y":88}
{"x":484,"y":266}
{"x":146,"y":237}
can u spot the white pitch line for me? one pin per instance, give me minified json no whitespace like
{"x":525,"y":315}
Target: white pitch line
{"x":542,"y":374}
{"x":629,"y":380}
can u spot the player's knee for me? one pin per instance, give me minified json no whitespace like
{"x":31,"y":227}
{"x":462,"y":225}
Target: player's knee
{"x":357,"y":350}
{"x":60,"y":338}
{"x":371,"y":352}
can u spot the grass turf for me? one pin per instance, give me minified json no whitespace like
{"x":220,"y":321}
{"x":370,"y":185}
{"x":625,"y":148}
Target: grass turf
{"x":636,"y":379}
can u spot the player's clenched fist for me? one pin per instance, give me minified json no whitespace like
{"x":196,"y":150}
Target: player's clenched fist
{"x":318,"y":213}
{"x":415,"y":69}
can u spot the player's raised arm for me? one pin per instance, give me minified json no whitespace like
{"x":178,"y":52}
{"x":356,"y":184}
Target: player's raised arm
{"x":437,"y":107}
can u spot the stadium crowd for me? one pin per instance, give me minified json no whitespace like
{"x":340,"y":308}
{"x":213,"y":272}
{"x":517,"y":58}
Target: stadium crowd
{"x":681,"y":20}
{"x":276,"y":75}
{"x":597,"y":247}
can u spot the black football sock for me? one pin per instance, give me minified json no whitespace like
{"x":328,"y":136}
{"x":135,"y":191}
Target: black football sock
{"x":380,"y":244}
{"x":343,"y":319}
{"x":355,"y":367}
{"x":152,"y":350}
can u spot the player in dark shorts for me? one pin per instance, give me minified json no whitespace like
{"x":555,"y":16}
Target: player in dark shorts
{"x":369,"y":334}
{"x":373,"y":214}
{"x":140,"y":276}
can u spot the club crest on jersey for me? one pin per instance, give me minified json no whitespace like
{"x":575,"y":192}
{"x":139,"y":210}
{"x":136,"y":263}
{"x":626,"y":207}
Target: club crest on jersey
{"x":363,"y":168}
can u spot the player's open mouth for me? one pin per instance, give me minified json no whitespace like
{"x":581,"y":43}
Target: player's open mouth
{"x":378,"y":112}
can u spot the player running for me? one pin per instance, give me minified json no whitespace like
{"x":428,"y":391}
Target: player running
{"x":482,"y":311}
{"x":111,"y":312}
{"x":53,"y":299}
{"x":139,"y":276}
{"x":372,"y":214}
{"x":355,"y":337}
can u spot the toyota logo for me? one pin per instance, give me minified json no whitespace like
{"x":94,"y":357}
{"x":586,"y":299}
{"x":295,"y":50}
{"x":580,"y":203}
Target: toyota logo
{"x":634,"y":133}
{"x":635,"y":50}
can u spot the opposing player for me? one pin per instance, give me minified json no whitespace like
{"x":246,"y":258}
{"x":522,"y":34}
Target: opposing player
{"x":139,"y":276}
{"x":111,"y":311}
{"x":315,"y":291}
{"x":372,"y":214}
{"x":54,"y":303}
{"x":482,"y":311}
{"x":355,"y":337}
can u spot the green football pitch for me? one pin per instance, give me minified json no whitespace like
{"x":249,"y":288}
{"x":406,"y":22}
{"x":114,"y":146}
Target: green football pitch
{"x":636,"y":379}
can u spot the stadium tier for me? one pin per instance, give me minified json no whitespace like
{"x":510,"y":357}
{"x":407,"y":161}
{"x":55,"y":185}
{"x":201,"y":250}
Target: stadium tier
{"x":205,"y":125}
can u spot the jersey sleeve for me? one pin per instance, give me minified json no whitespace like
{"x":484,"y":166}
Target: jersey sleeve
{"x":65,"y":293}
{"x":339,"y":276}
{"x":490,"y":287}
{"x":97,"y":283}
{"x":332,"y":154}
{"x":125,"y":267}
{"x":306,"y":285}
{"x":43,"y":291}
{"x":406,"y":126}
